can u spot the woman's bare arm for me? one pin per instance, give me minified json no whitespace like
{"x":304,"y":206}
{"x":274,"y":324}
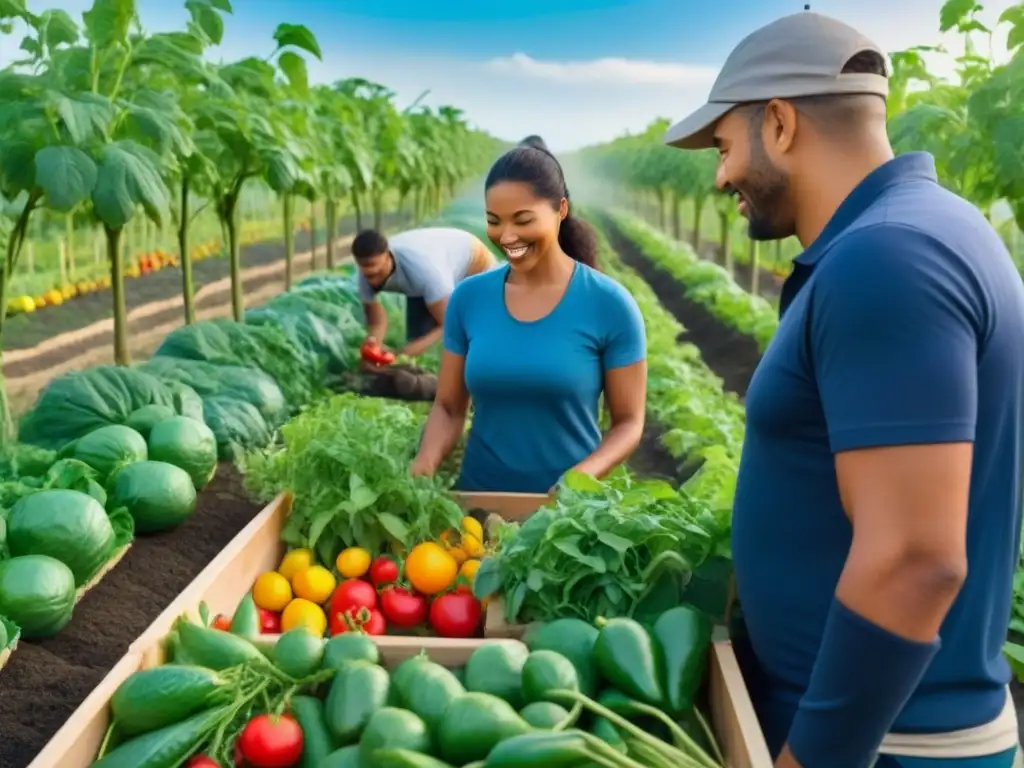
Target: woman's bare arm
{"x":447,"y":418}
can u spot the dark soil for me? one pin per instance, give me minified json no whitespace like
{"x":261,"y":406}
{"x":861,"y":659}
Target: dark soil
{"x":28,"y":330}
{"x":653,"y":462}
{"x":732,"y":355}
{"x":45,"y":681}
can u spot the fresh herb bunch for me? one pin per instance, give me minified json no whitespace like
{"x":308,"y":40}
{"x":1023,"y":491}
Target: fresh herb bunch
{"x":621,"y":547}
{"x":346,"y":462}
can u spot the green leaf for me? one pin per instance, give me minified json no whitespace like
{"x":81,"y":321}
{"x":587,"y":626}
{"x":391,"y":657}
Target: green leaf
{"x":66,"y":175}
{"x":1014,"y":653}
{"x":488,"y":580}
{"x":955,"y":11}
{"x":129,"y":176}
{"x":582,"y":482}
{"x":361,"y":495}
{"x":294,"y":68}
{"x":17,"y":166}
{"x":207,"y":19}
{"x":298,"y":36}
{"x":84,"y":115}
{"x":108,"y":21}
{"x":12,"y":9}
{"x":59,"y":28}
{"x":394,"y":526}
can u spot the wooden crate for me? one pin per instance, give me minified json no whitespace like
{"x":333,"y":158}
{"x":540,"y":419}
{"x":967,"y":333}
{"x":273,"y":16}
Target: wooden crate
{"x":257,"y":548}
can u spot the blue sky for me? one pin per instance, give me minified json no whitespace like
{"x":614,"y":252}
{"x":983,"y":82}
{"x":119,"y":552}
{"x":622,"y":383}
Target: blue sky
{"x":575,"y":71}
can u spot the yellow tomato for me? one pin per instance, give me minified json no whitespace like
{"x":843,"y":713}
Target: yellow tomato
{"x":353,"y":563}
{"x":314,"y":584}
{"x":271,"y":592}
{"x":469,"y":569}
{"x":459,"y":554}
{"x":430,"y":569}
{"x":472,"y":546}
{"x":40,"y":302}
{"x":472,"y":526}
{"x":303,"y":613}
{"x":54,"y":297}
{"x":294,"y":561}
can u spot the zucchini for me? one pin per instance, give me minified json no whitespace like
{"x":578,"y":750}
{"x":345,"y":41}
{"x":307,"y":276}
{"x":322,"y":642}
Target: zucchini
{"x":359,"y":689}
{"x":215,"y":649}
{"x":425,"y":689}
{"x":158,"y":697}
{"x":308,"y":712}
{"x":165,"y":747}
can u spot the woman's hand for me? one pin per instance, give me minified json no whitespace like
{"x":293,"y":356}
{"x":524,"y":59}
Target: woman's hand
{"x":421,"y":467}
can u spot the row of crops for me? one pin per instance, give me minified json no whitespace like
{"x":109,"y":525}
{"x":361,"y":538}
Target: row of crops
{"x":971,"y":124}
{"x":133,"y":446}
{"x":104,"y":123}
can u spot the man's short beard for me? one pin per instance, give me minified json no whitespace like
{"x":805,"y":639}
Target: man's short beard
{"x":767,"y":203}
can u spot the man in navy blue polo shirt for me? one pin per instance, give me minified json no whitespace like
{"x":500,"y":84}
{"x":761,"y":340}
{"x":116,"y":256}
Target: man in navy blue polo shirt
{"x":884,"y":424}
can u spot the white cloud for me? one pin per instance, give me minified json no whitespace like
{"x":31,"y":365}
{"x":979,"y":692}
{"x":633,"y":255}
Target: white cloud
{"x":609,"y":71}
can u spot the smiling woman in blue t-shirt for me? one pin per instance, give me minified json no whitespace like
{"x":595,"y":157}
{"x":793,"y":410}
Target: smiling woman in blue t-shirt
{"x":534,"y":344}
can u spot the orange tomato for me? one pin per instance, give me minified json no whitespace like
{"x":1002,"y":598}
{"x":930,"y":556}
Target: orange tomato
{"x":430,"y":569}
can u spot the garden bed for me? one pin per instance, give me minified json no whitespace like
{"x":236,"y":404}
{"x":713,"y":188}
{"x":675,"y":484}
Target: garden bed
{"x":732,"y":355}
{"x":45,"y":681}
{"x":227,"y":578}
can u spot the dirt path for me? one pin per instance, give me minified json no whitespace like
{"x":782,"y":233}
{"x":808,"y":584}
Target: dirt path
{"x":732,"y":355}
{"x":29,"y":370}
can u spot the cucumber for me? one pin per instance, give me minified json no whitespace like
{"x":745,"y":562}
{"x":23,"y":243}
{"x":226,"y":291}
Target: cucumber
{"x":359,"y":689}
{"x":402,"y":758}
{"x":497,"y":669}
{"x":349,"y":647}
{"x":425,"y":689}
{"x":166,"y":747}
{"x":544,"y":714}
{"x":391,"y":728}
{"x":574,"y":639}
{"x":158,"y":697}
{"x":299,"y":653}
{"x":317,"y":743}
{"x":346,"y":757}
{"x":215,"y":649}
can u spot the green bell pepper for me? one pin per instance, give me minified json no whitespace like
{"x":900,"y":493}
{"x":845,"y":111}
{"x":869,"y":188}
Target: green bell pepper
{"x":682,"y":640}
{"x":625,"y":656}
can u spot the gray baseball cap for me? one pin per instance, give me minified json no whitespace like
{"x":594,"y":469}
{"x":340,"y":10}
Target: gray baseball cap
{"x":798,"y":55}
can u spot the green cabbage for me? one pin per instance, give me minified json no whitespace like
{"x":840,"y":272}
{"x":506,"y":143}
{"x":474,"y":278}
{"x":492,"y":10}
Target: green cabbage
{"x":67,"y":525}
{"x":38,"y":593}
{"x":188,"y":444}
{"x":109,"y":448}
{"x":159,"y":496}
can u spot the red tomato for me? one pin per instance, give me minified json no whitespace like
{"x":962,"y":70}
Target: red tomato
{"x":376,"y":625}
{"x":222,"y":622}
{"x":347,"y":621}
{"x":403,"y":608}
{"x":353,"y":594}
{"x":267,"y":742}
{"x":202,"y":761}
{"x":384,"y":571}
{"x":455,"y":615}
{"x":270,"y":622}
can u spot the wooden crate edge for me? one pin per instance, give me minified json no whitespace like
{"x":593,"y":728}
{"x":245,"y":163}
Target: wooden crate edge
{"x":732,"y":711}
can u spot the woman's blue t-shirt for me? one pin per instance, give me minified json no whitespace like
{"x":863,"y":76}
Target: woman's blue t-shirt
{"x":536,"y":385}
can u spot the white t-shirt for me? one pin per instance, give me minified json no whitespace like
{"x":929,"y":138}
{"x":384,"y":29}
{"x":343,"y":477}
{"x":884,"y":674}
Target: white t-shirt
{"x":429,"y":263}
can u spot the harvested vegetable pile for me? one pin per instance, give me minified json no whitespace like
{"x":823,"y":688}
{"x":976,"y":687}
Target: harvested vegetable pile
{"x":621,"y":548}
{"x":621,"y":695}
{"x":346,"y":462}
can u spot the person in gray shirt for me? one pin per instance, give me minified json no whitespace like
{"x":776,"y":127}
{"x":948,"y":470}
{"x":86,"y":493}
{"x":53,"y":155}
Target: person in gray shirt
{"x":424,"y":265}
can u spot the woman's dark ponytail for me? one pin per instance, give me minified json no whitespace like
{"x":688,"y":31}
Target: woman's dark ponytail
{"x":533,"y":163}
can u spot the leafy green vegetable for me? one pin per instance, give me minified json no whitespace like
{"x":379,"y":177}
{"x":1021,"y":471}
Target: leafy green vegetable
{"x":601,"y":549}
{"x":346,"y":461}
